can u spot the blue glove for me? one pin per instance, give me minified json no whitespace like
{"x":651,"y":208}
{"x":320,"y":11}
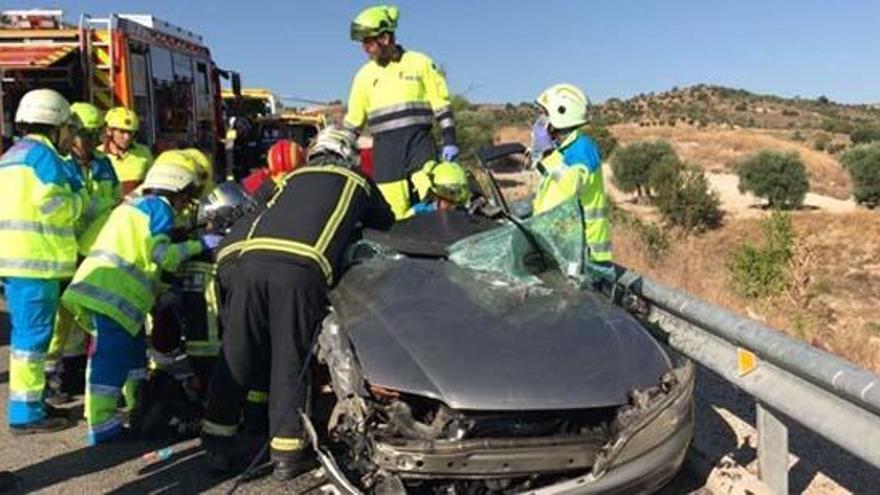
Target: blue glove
{"x":541,"y":139}
{"x":211,"y":241}
{"x":449,"y":152}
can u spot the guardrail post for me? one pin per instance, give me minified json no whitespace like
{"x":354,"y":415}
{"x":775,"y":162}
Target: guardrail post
{"x":772,"y":450}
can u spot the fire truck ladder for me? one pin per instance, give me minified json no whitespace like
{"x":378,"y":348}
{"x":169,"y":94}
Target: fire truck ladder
{"x":96,"y":36}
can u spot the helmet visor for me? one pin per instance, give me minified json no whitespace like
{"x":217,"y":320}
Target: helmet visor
{"x":359,"y":32}
{"x":456,"y":193}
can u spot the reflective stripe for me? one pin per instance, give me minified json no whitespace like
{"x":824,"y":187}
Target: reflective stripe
{"x":288,"y":444}
{"x":292,"y":247}
{"x":229,"y":250}
{"x":398,"y":107}
{"x":219,"y":430}
{"x":38,"y":265}
{"x":595,"y":213}
{"x":52,"y":205}
{"x":137,"y":374}
{"x":202,"y":348}
{"x":333,"y":169}
{"x":129,"y":268}
{"x":336,"y":217}
{"x":441,"y":110}
{"x":603,"y":247}
{"x":447,"y":122}
{"x":257,"y":396}
{"x":27,"y":396}
{"x":89,"y":290}
{"x":35,"y":227}
{"x":105,"y":390}
{"x":106,"y":426}
{"x":401,"y":123}
{"x":31,"y":356}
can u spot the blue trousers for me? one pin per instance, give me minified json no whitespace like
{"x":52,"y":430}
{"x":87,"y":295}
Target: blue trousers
{"x":32,"y":305}
{"x":115,"y":355}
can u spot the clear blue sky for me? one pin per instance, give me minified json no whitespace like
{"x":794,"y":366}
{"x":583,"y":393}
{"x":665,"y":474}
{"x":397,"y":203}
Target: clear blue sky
{"x":509,"y":50}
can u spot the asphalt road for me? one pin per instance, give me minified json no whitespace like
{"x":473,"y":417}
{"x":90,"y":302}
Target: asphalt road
{"x":61,"y":463}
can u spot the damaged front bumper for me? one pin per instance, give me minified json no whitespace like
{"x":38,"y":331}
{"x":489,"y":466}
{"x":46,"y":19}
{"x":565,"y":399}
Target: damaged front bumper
{"x":646,"y":451}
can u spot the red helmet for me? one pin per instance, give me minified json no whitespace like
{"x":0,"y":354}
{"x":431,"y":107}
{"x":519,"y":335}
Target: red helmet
{"x":284,"y":157}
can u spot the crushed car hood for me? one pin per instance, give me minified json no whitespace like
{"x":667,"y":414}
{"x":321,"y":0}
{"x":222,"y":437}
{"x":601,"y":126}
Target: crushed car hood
{"x":432,"y":328}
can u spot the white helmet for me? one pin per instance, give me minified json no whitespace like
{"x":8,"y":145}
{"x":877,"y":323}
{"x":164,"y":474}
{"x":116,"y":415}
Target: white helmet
{"x":336,"y":141}
{"x":565,"y":104}
{"x":43,"y":106}
{"x":171,"y":178}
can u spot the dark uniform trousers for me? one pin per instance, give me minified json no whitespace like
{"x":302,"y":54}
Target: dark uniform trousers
{"x":273,"y":312}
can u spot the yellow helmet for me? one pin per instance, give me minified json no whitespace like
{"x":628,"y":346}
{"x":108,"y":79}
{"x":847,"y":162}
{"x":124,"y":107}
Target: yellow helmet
{"x":446,"y":180}
{"x":122,"y":118}
{"x":88,"y":114}
{"x":565,"y":104}
{"x":172,"y":171}
{"x":204,"y":170}
{"x":373,"y":21}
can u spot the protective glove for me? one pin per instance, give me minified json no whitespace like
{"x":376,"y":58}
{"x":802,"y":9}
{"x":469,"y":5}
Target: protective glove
{"x":211,"y":241}
{"x":449,"y":152}
{"x":541,"y":139}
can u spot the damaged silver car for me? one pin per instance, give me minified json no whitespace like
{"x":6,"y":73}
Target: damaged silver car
{"x":465,"y":354}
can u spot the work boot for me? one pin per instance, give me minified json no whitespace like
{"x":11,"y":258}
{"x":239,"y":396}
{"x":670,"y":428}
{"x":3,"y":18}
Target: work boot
{"x":48,"y":424}
{"x":289,"y":465}
{"x":56,"y":397}
{"x":221,"y":454}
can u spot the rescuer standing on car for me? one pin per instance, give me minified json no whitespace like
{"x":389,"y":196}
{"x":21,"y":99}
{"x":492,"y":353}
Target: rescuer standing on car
{"x":42,"y":200}
{"x":397,"y":95}
{"x":131,"y":160}
{"x":572,"y":166}
{"x":116,"y":286}
{"x":290,"y":257}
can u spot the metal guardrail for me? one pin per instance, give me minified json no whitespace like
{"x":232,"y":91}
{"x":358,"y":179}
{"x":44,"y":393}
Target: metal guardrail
{"x":827,"y":394}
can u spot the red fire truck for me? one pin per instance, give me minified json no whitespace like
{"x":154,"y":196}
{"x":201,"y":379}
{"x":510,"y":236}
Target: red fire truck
{"x":164,"y":72}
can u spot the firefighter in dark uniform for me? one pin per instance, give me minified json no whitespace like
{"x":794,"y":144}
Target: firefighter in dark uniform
{"x":290,"y":257}
{"x":397,"y":95}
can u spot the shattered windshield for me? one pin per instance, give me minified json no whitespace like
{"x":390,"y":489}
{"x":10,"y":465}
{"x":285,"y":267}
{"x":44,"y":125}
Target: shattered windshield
{"x":524,"y":249}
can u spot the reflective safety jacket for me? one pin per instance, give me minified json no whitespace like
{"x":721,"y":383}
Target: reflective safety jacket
{"x":104,"y":192}
{"x":120,"y":276}
{"x":102,"y":185}
{"x":41,"y":200}
{"x":406,"y":92}
{"x":133,"y":165}
{"x":313,"y":217}
{"x":574,"y":169}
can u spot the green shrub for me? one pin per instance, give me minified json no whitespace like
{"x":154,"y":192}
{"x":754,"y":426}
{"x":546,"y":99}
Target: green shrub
{"x":780,"y":178}
{"x":865,"y":135}
{"x":821,"y":142}
{"x":863,"y":164}
{"x":762,"y":270}
{"x":632,"y":164}
{"x":683,"y":196}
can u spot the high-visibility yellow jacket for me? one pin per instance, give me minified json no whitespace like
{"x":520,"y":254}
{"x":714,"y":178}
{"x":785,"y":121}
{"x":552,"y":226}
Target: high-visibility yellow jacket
{"x":574,"y":169}
{"x":105,"y":192}
{"x":133,"y":165}
{"x":406,"y":92}
{"x":41,"y":200}
{"x":120,"y":276}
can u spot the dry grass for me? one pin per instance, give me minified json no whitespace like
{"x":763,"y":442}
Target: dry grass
{"x":717,"y":149}
{"x":833,"y":300}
